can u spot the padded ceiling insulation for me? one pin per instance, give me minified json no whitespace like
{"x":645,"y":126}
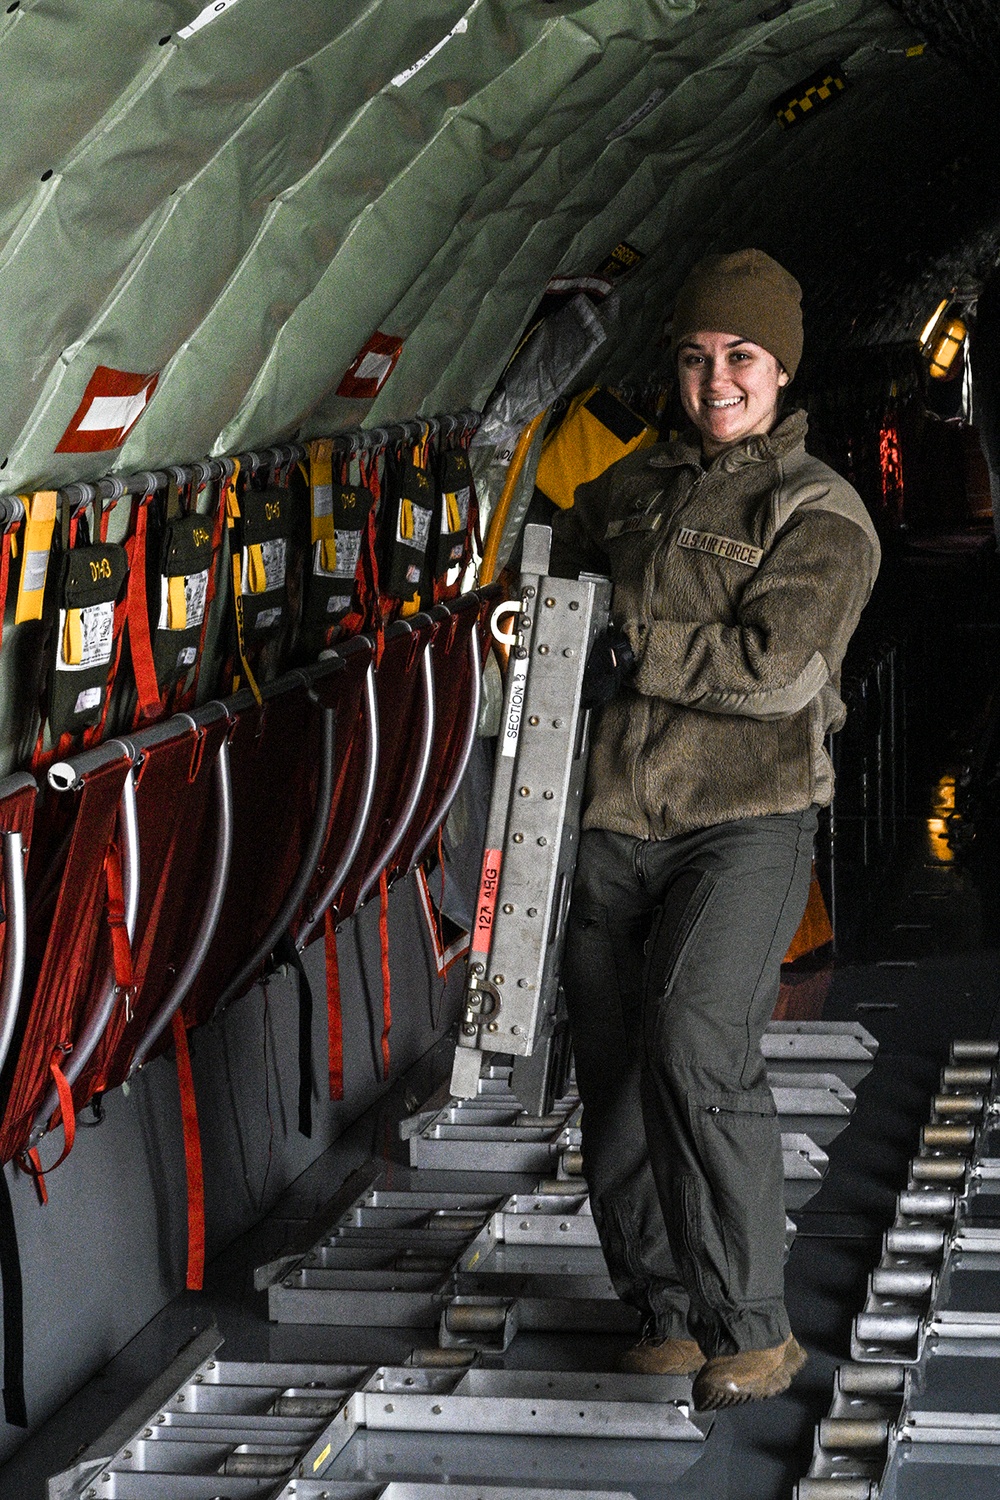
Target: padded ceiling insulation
{"x":240,"y":208}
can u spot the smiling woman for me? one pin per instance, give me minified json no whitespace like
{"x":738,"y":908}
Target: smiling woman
{"x":740,"y":566}
{"x":729,"y":388}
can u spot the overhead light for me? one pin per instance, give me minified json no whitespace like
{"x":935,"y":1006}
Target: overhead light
{"x":932,"y":323}
{"x":948,"y":340}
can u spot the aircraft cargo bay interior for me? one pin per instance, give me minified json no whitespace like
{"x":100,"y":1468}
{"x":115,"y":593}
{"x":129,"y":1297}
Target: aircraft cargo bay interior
{"x":500,"y":750}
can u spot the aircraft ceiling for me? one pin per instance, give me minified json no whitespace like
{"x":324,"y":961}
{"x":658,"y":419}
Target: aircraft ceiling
{"x":235,"y":199}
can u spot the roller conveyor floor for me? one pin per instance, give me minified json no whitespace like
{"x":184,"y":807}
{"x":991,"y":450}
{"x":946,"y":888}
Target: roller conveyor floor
{"x":917,"y":968}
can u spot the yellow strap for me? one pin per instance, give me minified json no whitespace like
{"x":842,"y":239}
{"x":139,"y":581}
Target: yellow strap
{"x":176,"y":604}
{"x":328,"y":554}
{"x":232,"y":516}
{"x":256,"y":572}
{"x":498,"y":520}
{"x":406,"y":520}
{"x":72,"y":646}
{"x":454,"y":515}
{"x":41,"y":512}
{"x":321,"y":488}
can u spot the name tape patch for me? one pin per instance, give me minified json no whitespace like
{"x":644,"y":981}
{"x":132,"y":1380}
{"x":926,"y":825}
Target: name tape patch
{"x":642,"y":522}
{"x":720,"y":546}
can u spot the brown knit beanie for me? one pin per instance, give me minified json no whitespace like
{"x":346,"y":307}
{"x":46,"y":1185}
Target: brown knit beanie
{"x":745,"y":293}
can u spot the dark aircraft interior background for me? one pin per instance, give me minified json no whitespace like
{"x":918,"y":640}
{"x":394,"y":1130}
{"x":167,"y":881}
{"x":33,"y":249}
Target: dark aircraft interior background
{"x":260,"y":249}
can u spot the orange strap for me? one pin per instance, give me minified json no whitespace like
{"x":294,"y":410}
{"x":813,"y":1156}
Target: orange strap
{"x":32,"y":1161}
{"x":334,"y":1012}
{"x":121,"y":948}
{"x":140,"y":642}
{"x":192,"y":1159}
{"x":383,"y":932}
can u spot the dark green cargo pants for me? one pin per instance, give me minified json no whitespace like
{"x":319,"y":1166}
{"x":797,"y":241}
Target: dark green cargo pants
{"x":672,"y":966}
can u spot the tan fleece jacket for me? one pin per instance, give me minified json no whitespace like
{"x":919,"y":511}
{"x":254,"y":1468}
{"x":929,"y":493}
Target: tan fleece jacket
{"x":739,"y":586}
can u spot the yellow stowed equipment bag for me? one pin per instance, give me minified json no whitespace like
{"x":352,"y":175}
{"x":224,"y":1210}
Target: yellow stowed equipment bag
{"x":597,"y":430}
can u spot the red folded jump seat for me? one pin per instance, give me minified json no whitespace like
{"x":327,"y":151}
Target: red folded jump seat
{"x":282,"y":754}
{"x":82,"y":890}
{"x":404,"y":690}
{"x":356,"y":778}
{"x":184,"y":820}
{"x":17,"y":813}
{"x":457,"y":654}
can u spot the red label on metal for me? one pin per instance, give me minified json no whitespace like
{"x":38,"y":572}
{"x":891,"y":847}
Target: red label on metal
{"x":112,"y":404}
{"x":371,"y":368}
{"x":489,"y":883}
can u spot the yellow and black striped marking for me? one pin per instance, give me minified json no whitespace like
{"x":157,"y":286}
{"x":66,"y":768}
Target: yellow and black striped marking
{"x":807,"y":97}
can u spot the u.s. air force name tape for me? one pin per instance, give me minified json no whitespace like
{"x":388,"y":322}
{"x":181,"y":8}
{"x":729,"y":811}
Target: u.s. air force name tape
{"x":720,"y":546}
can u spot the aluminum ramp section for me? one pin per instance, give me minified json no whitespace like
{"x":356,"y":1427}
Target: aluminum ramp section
{"x":387,"y":1262}
{"x":211,"y":1427}
{"x":916,"y":1416}
{"x":844,"y":1048}
{"x":512,"y":994}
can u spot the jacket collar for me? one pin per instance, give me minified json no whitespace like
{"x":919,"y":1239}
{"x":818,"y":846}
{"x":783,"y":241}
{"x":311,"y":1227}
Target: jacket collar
{"x":789,"y":434}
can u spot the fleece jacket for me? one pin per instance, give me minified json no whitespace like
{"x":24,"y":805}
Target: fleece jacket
{"x":739,"y":584}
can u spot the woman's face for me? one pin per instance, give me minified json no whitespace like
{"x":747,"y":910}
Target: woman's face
{"x":729,"y":388}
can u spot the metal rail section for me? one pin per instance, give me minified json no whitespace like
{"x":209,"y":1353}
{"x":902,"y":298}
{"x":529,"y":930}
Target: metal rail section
{"x":482,"y":1262}
{"x":917,"y":1413}
{"x":511,"y":1002}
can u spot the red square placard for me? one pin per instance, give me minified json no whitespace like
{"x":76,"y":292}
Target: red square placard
{"x":112,"y":404}
{"x":371,"y":368}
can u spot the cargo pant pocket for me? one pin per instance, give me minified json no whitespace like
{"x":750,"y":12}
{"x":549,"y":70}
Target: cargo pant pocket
{"x":737,"y":1142}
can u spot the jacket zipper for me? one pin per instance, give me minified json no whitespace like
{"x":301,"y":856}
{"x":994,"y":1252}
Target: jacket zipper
{"x":641,"y":797}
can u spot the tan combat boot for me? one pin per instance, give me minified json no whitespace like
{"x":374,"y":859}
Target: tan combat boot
{"x":653,"y":1356}
{"x":752,"y":1375}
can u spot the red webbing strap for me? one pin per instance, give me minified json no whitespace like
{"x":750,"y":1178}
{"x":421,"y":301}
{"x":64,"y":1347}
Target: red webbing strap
{"x":5,"y":545}
{"x":334,"y":1009}
{"x":40,"y":757}
{"x":121,"y":948}
{"x":95,"y":733}
{"x":149,"y":705}
{"x":31,"y":1161}
{"x":383,"y":933}
{"x":368,"y":614}
{"x":192,"y":1158}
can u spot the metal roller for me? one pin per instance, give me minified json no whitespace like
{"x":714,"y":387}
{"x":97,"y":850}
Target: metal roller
{"x":845,"y":1434}
{"x":967,"y":1076}
{"x":956,"y":1137}
{"x":871,"y":1380}
{"x":257,"y":1465}
{"x":558,"y":1187}
{"x":459,"y":1223}
{"x":405,"y":1261}
{"x":572,"y":1163}
{"x":901,"y":1281}
{"x":318,"y":1406}
{"x":914,"y":1240}
{"x":926,"y":1204}
{"x":475,"y":1317}
{"x":835,"y":1489}
{"x":447,"y":1359}
{"x":887,"y":1327}
{"x":958,"y":1104}
{"x":938,"y":1168}
{"x":979,"y":1050}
